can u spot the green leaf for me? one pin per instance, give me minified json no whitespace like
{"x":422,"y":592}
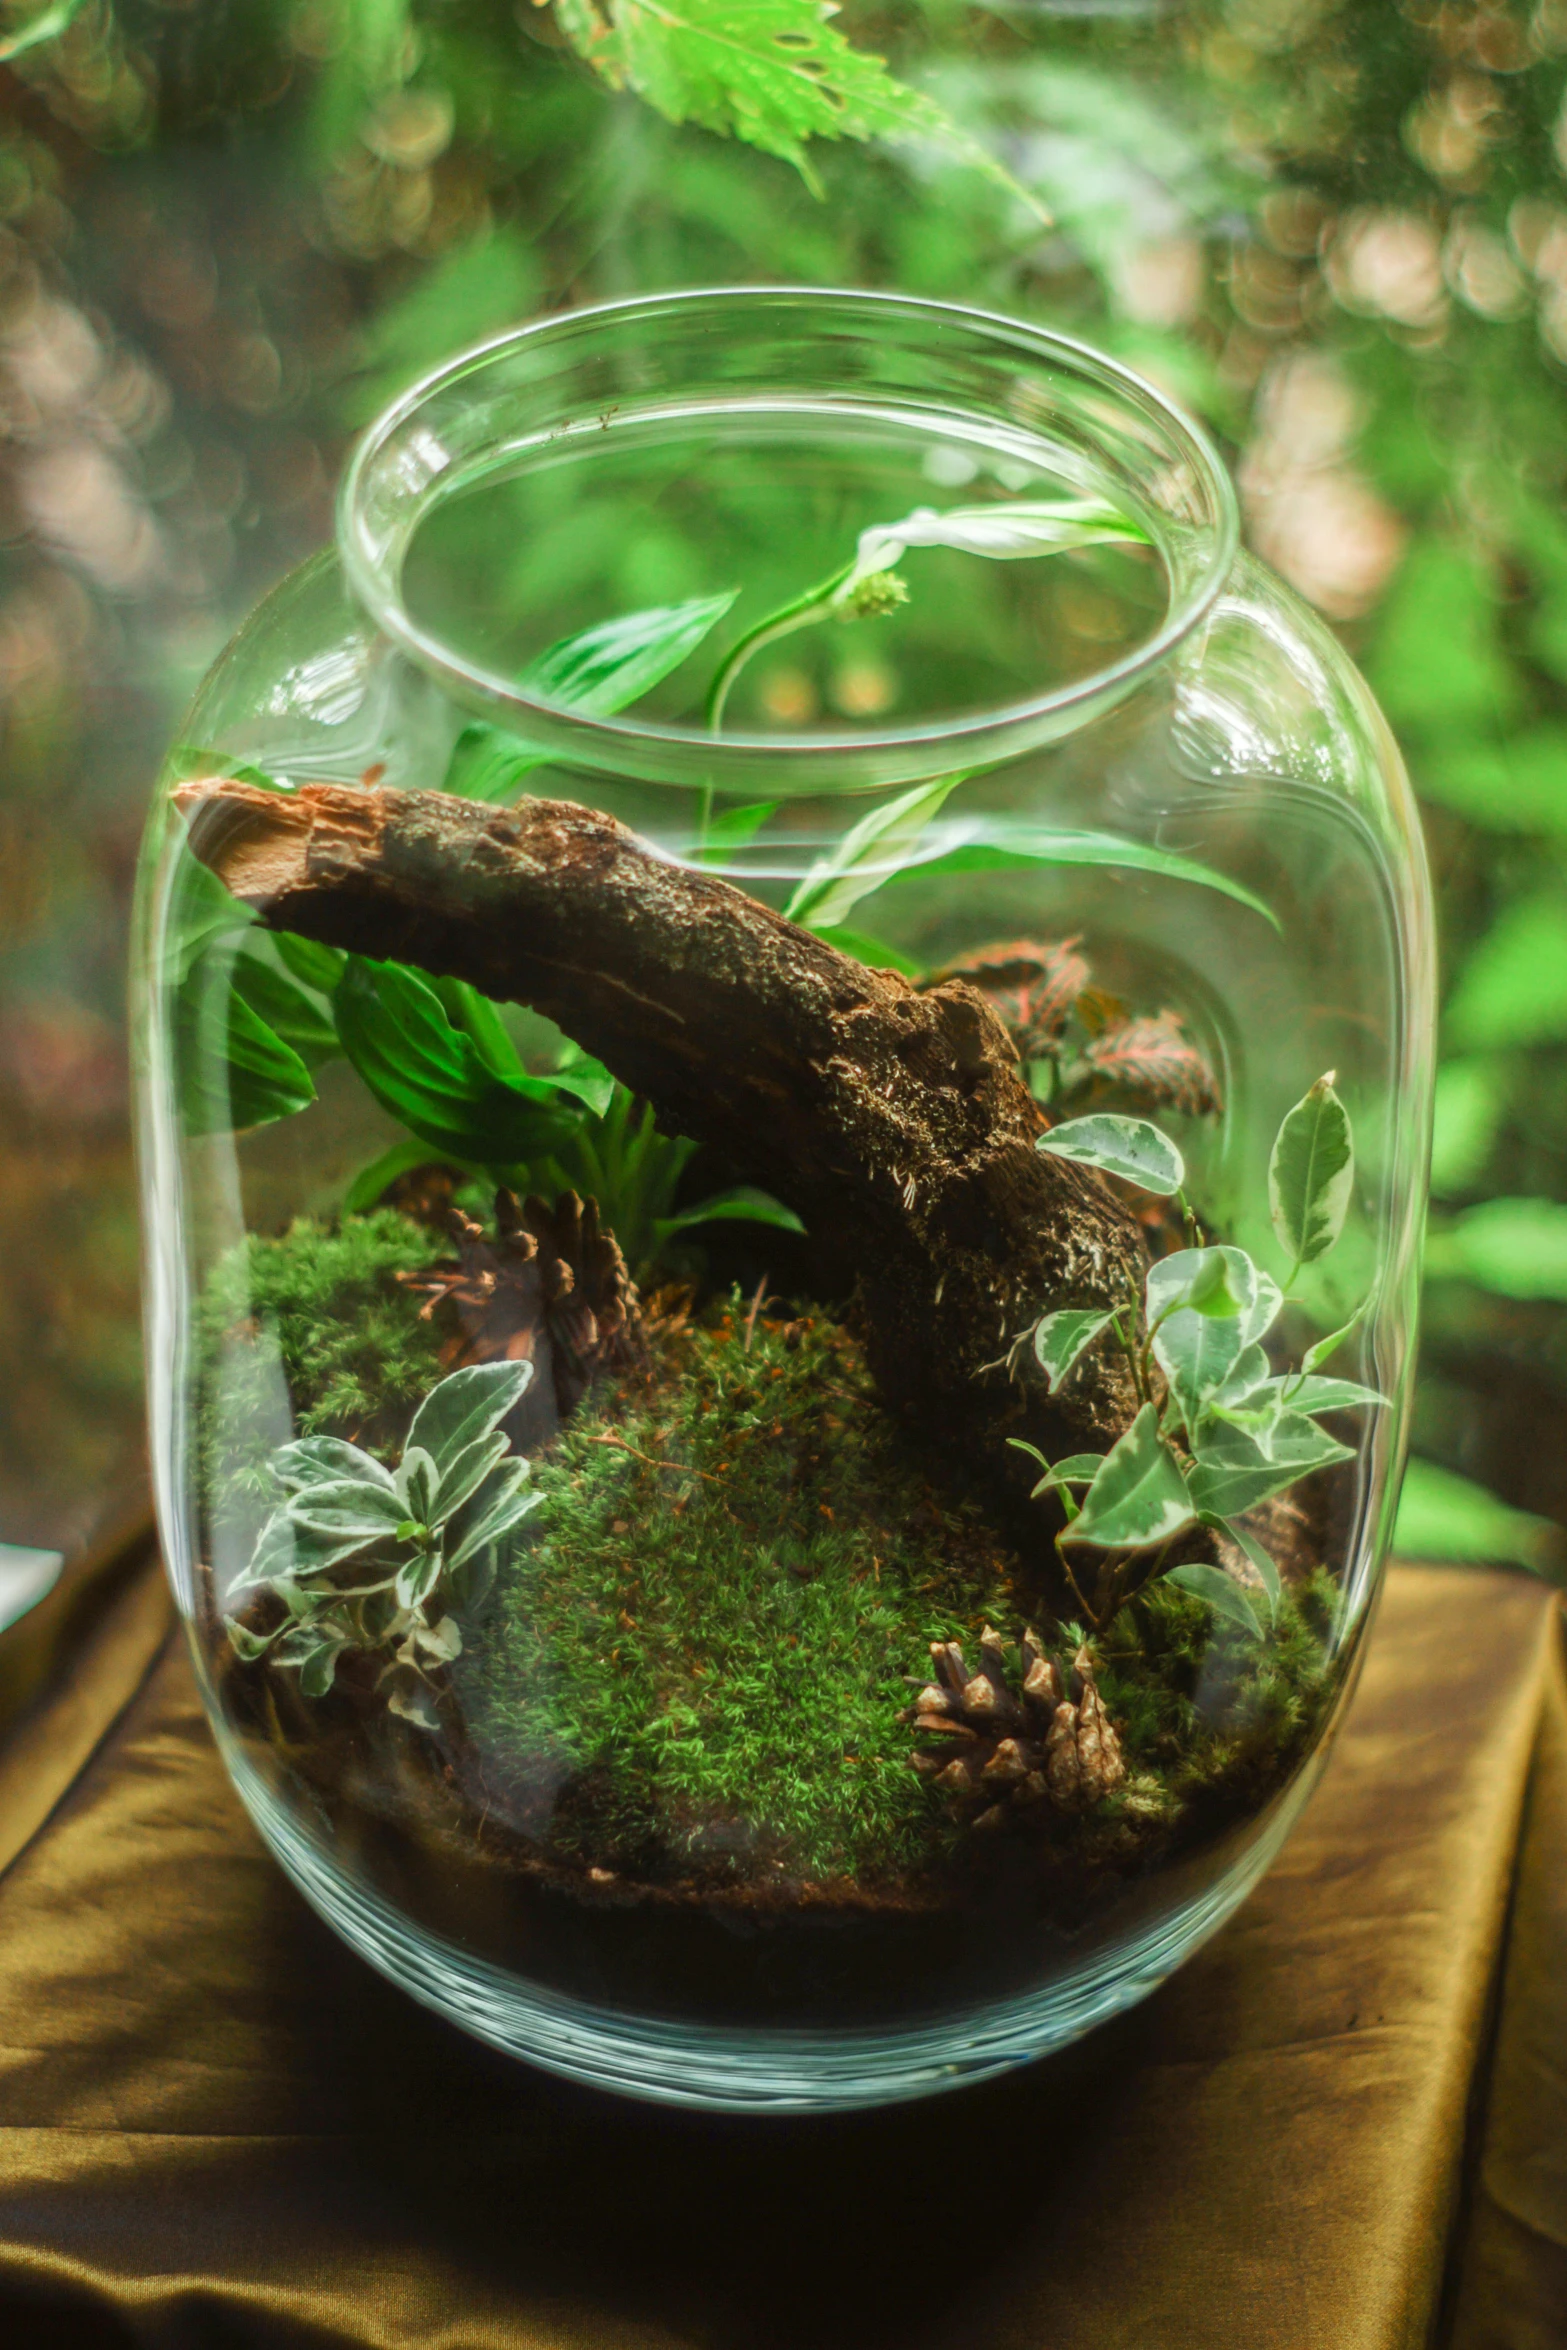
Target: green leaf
{"x":318,"y":966}
{"x":235,"y":1071}
{"x":318,"y":1667}
{"x":587,"y":1080}
{"x":1128,"y":1147}
{"x":465,"y":1407}
{"x":1311,"y":1174}
{"x":871,"y":853}
{"x":772,"y":72}
{"x":1444,"y":1516}
{"x":1438,"y":663}
{"x":875,"y":952}
{"x":47,"y":25}
{"x":1139,"y":1495}
{"x":1513,"y":1247}
{"x":297,"y":1018}
{"x":1513,"y":988}
{"x":431,"y":1077}
{"x":465,"y":1472}
{"x":1233,"y":1472}
{"x":1314,"y":1395}
{"x":1221,"y":1591}
{"x":745,"y":1204}
{"x":604,"y":668}
{"x":1013,"y":848}
{"x":1315,"y":1356}
{"x":1060,"y":1338}
{"x":1261,"y":1559}
{"x":248,"y":1645}
{"x":371,"y":1181}
{"x":598,"y":671}
{"x":1471,"y":1097}
{"x":734,"y":829}
{"x":1516,"y":785}
{"x":1078,"y":1468}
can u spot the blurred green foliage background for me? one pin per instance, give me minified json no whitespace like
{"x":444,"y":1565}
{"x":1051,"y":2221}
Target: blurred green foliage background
{"x":230,"y":228}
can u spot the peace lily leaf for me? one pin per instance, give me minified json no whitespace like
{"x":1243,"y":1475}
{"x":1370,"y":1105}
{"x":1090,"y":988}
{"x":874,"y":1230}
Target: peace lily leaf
{"x":235,"y":1071}
{"x":1233,"y":1472}
{"x":1139,"y":1495}
{"x":873,"y":951}
{"x":772,"y":72}
{"x":869,"y":853}
{"x":734,"y":829}
{"x":1311,"y":1174}
{"x":1007,"y":848}
{"x":318,"y":966}
{"x":605,"y":668}
{"x":598,"y":671}
{"x":1261,"y":1559}
{"x":321,"y":1460}
{"x":1315,"y":1356}
{"x":744,"y":1205}
{"x":1003,"y":532}
{"x":431,"y":1076}
{"x":1060,"y":1338}
{"x":465,"y":1407}
{"x":292,"y":1015}
{"x":1221,"y":1591}
{"x":1129,"y":1147}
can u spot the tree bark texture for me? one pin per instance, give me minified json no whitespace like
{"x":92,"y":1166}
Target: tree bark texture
{"x":896,"y":1123}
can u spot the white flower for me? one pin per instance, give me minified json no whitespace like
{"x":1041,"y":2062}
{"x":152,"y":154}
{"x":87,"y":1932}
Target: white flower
{"x":1003,"y":531}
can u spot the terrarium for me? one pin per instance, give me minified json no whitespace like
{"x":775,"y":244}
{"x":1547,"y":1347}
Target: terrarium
{"x":784,"y":1027}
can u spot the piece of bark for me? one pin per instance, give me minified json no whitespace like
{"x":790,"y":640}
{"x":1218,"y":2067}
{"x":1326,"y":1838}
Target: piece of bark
{"x":895,"y":1122}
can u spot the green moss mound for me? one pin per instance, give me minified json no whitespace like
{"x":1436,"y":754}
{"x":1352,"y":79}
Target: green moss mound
{"x":319,"y":1310}
{"x":700,"y":1663}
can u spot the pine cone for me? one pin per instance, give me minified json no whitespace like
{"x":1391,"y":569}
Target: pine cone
{"x":1003,"y":1751}
{"x":551,"y":1289}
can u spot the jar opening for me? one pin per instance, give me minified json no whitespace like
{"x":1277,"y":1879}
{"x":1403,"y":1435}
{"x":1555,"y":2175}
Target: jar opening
{"x":480,"y":495}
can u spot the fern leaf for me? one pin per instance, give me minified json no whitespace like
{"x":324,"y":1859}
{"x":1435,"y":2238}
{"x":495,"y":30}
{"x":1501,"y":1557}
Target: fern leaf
{"x":775,"y":73}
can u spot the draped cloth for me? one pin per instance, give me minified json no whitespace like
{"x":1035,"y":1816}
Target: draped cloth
{"x":1343,"y":2126}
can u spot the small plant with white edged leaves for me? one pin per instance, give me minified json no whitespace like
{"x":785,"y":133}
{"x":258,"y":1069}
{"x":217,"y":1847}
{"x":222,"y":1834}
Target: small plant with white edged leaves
{"x":366,"y":1559}
{"x":1218,"y":1430}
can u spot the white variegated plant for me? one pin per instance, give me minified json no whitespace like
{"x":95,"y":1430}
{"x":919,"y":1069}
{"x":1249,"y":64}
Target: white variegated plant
{"x":1223,"y":1430}
{"x":389,"y":1561}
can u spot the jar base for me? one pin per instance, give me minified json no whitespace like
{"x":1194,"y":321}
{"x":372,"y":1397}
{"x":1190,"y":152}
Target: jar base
{"x":724,"y":2069}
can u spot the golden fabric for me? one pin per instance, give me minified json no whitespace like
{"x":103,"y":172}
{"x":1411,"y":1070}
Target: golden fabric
{"x":218,"y":2128}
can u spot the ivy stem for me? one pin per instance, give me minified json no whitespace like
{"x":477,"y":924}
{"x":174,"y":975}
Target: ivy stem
{"x":1077,"y":1592}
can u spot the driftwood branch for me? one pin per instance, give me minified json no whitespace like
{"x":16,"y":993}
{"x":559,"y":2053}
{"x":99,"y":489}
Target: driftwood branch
{"x":896,"y":1123}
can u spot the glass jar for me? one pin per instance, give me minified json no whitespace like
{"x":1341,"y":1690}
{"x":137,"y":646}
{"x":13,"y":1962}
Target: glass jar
{"x":783,"y":1015}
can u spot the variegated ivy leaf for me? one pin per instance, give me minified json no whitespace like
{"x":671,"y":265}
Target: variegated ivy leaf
{"x":1315,"y":1356}
{"x":1128,"y":1147}
{"x":1139,"y":1495}
{"x":466,"y":1406}
{"x":1079,"y":1468}
{"x":1061,"y":1338}
{"x":1311,"y":1174}
{"x":1233,"y":1472}
{"x":320,"y":1460}
{"x":1207,"y":1307}
{"x":1307,"y":1393}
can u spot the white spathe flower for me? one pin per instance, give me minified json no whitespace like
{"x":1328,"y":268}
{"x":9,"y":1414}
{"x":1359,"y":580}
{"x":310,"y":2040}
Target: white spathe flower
{"x":1003,"y":531}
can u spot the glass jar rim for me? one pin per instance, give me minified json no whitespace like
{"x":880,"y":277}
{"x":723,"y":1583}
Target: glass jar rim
{"x":395,"y":475}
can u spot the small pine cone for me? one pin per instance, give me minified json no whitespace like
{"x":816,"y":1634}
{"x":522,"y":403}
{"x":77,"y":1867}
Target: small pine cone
{"x":552,"y":1289}
{"x":997,"y":1751}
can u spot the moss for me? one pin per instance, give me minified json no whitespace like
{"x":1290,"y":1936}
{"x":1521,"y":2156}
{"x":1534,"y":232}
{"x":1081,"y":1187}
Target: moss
{"x":321,"y":1304}
{"x":701,"y":1661}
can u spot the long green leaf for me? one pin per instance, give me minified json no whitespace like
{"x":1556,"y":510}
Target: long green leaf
{"x":431,"y":1077}
{"x":597,"y":671}
{"x":1013,"y":848}
{"x":744,"y":1205}
{"x":870,"y":854}
{"x":235,"y":1071}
